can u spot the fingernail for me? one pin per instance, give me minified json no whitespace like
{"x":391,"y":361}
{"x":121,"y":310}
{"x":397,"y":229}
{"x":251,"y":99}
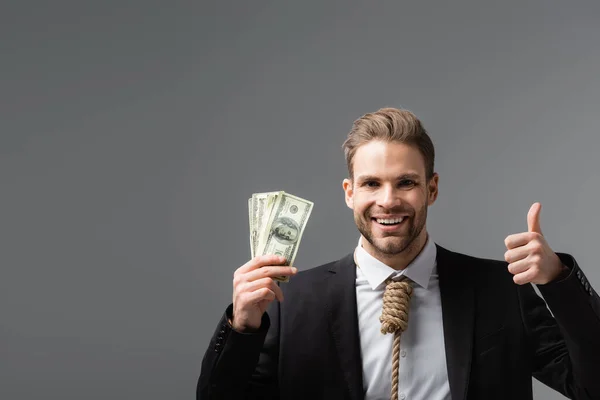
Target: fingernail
{"x":294,"y":270}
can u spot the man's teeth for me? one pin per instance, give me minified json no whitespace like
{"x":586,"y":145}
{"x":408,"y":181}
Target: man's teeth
{"x":389,"y":221}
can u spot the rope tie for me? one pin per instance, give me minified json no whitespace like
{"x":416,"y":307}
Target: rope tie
{"x":394,"y":319}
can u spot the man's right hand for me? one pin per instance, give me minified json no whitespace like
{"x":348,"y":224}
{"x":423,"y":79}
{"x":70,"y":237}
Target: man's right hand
{"x":254,"y":289}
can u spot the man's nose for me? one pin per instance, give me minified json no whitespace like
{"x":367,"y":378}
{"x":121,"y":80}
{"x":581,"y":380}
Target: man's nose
{"x":389,"y":197}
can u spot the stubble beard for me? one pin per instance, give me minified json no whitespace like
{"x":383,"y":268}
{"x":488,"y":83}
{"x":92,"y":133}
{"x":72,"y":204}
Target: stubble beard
{"x":393,"y":244}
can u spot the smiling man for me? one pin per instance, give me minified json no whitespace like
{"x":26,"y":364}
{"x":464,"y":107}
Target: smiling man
{"x":401,"y":317}
{"x":389,"y":190}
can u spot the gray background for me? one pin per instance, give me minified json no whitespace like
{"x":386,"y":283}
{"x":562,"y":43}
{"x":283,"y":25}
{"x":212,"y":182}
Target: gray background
{"x":132,"y":134}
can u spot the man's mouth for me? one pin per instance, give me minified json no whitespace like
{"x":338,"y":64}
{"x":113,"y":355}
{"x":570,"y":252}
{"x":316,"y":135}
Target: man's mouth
{"x":389,"y":221}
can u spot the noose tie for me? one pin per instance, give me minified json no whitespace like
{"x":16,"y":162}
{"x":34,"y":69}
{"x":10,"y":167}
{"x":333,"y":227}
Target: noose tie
{"x":394,"y":319}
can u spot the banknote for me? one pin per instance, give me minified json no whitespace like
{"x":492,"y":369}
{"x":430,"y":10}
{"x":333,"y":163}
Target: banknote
{"x":251,"y":225}
{"x":262,"y":204}
{"x":283,"y":230}
{"x":277,"y":222}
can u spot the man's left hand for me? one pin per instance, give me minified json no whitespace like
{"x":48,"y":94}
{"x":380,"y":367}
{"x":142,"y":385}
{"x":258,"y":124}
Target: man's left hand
{"x":530,"y":258}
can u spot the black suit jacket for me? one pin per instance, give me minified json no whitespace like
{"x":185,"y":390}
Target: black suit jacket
{"x":497,"y":336}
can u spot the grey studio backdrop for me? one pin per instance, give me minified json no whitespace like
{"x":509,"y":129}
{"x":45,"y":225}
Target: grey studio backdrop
{"x":133,"y":132}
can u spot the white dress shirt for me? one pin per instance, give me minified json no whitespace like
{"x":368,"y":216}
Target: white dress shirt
{"x":422,"y":372}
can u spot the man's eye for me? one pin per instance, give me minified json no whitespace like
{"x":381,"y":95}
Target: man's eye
{"x":407,"y":182}
{"x":371,"y":184}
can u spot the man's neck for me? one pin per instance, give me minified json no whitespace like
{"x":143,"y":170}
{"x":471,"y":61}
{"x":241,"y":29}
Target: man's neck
{"x":401,"y":260}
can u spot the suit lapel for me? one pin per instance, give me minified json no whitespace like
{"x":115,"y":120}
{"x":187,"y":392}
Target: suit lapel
{"x":457,"y":294}
{"x":343,"y":322}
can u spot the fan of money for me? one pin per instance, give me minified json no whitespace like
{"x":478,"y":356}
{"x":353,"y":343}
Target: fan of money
{"x":277,"y":222}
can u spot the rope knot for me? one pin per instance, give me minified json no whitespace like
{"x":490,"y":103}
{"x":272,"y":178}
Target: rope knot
{"x":396,"y":303}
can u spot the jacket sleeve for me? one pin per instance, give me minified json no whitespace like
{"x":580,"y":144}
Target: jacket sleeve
{"x":240,"y":365}
{"x":565,"y":348}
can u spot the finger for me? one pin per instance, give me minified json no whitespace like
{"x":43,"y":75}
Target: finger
{"x":277,"y":290}
{"x":269,"y":272}
{"x":261,"y":261}
{"x":518,"y":267}
{"x":268,"y":283}
{"x":524,"y":277}
{"x":258,"y":295}
{"x":517,"y":253}
{"x":533,"y":218}
{"x":519,"y":239}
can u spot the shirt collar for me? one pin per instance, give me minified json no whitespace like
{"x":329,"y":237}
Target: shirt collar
{"x":419,"y":270}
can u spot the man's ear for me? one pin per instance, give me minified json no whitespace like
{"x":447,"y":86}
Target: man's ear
{"x":432,"y":187}
{"x":348,"y":192}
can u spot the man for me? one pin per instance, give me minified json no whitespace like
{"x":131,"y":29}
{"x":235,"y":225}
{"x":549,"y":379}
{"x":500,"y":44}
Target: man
{"x":401,"y":317}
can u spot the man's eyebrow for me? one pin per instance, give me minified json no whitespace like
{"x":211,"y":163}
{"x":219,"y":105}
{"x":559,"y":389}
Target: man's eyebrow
{"x":363,"y":178}
{"x":408,"y":175}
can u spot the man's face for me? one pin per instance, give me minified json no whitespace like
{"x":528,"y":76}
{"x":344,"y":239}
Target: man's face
{"x":389,"y":196}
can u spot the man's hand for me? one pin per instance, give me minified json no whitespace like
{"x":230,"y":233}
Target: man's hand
{"x":254,"y":289}
{"x":530,"y":258}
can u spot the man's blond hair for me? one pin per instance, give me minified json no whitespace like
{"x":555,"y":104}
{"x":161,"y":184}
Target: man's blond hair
{"x":390,"y":125}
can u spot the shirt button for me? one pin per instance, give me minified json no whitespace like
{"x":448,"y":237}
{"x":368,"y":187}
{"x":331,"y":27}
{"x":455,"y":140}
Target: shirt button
{"x":402,"y":396}
{"x":403,"y":353}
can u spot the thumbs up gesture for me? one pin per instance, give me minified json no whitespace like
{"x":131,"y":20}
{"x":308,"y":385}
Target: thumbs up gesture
{"x":530,"y":258}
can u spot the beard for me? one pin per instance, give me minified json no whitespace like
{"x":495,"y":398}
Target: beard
{"x":393,"y":243}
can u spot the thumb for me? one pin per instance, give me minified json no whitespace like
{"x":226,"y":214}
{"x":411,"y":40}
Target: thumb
{"x":533,"y":218}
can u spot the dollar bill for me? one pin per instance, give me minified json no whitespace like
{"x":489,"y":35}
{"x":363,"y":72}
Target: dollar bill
{"x":251,"y":225}
{"x":282,"y":226}
{"x":262,"y":205}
